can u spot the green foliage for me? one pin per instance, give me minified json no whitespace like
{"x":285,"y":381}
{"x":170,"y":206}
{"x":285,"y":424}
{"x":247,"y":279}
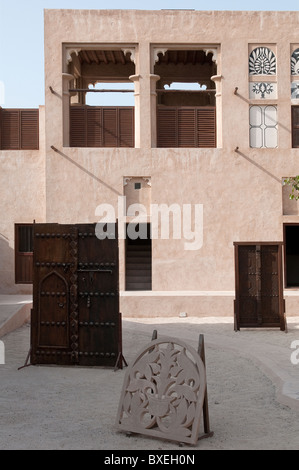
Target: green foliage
{"x":294,"y":183}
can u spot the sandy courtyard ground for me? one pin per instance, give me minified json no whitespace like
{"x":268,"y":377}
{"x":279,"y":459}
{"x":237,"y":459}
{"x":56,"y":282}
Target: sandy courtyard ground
{"x":253,"y":391}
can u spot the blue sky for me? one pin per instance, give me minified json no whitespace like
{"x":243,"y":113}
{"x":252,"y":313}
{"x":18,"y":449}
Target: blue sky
{"x":21,"y":37}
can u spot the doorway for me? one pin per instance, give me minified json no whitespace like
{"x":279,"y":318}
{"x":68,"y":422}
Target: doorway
{"x":259,"y":289}
{"x":139,"y":257}
{"x":291,"y":247}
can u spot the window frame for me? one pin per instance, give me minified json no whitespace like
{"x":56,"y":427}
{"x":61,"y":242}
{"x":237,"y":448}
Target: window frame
{"x":149,"y":266}
{"x":286,"y":283}
{"x":23,"y":259}
{"x":294,"y":128}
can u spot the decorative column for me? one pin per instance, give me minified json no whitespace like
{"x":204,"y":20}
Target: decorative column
{"x":145,"y":112}
{"x":66,"y":78}
{"x":153,"y":83}
{"x":217,"y":80}
{"x":135,"y":79}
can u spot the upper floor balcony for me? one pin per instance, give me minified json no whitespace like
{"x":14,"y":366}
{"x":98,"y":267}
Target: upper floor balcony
{"x":174,"y":106}
{"x":177,"y":126}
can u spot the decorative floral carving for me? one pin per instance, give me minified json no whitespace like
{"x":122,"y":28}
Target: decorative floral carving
{"x":295,"y":90}
{"x":295,"y":62}
{"x":262,"y":61}
{"x":163,"y":392}
{"x":262,"y":89}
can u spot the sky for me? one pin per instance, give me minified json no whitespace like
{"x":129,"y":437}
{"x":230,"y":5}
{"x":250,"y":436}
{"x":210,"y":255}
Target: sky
{"x":21,"y":37}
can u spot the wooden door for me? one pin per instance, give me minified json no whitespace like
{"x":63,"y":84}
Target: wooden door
{"x":75,"y":316}
{"x":259,"y":288}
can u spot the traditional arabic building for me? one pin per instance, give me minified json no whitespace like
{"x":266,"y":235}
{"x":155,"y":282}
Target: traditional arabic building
{"x":210,"y":132}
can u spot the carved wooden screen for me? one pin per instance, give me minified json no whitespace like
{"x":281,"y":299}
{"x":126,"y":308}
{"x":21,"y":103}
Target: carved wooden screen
{"x":75,"y":316}
{"x":163,"y":392}
{"x":259,"y":290}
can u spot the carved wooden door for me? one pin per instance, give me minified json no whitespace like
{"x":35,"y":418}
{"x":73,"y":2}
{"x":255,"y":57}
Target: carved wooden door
{"x":75,"y":316}
{"x":259,"y":289}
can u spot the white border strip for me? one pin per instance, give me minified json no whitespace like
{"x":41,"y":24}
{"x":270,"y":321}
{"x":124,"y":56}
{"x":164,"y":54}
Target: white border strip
{"x":191,"y":293}
{"x":178,"y":293}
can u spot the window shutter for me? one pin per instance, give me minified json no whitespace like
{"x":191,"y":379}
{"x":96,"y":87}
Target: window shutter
{"x":77,"y":126}
{"x":206,"y":127}
{"x":295,"y":126}
{"x":101,"y":127}
{"x":126,"y":127}
{"x":167,"y":127}
{"x":94,"y":127}
{"x":186,"y":127}
{"x":110,"y":127}
{"x":23,"y":254}
{"x":10,"y":129}
{"x":19,"y":129}
{"x":29,"y":129}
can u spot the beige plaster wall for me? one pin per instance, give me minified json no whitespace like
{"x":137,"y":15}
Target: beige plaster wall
{"x":240,"y":191}
{"x":22,"y":189}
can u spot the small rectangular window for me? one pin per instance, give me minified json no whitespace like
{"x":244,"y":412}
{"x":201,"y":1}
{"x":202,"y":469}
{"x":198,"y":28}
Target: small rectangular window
{"x":295,"y":126}
{"x":138,"y":257}
{"x":23,"y":253}
{"x":25,"y":238}
{"x":137,"y":186}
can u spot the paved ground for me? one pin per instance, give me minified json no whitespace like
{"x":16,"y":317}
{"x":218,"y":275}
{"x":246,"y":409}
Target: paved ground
{"x":252,"y":383}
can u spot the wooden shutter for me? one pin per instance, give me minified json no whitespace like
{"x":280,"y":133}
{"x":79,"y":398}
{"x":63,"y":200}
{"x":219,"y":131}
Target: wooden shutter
{"x":295,"y":126}
{"x":10,"y":129}
{"x":186,"y":127}
{"x":19,"y":129}
{"x":94,"y":127}
{"x":206,"y":127}
{"x":126,"y":127}
{"x":110,"y":127}
{"x":29,"y":129}
{"x":101,"y":127}
{"x":166,"y":127}
{"x":77,"y":127}
{"x":23,"y":254}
